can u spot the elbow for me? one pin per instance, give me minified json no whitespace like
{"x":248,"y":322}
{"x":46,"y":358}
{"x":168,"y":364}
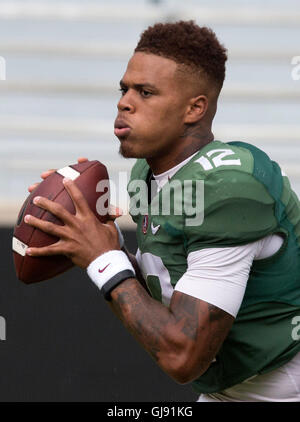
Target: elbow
{"x":185,"y":368}
{"x":183,"y":376}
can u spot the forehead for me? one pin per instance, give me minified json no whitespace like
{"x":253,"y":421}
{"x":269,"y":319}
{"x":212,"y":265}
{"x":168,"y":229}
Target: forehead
{"x":148,"y":68}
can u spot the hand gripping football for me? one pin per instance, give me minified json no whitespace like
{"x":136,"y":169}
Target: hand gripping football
{"x":35,"y":269}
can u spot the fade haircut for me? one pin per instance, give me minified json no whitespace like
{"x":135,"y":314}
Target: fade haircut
{"x":187,"y":44}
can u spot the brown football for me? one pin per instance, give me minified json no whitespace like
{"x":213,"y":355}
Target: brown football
{"x":86,"y":176}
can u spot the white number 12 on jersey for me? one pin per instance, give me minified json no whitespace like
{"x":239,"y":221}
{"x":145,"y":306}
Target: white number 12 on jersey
{"x":218,"y":160}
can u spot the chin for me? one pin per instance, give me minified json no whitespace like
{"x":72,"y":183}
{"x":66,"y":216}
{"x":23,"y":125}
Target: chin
{"x":128,"y":152}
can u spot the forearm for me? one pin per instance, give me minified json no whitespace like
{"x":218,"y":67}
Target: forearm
{"x":163,"y":334}
{"x":183,"y":337}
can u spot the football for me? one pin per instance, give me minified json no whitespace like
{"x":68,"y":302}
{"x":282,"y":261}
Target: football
{"x":86,"y":176}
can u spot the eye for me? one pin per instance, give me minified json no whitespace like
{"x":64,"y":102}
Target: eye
{"x":123,"y":91}
{"x":145,"y":93}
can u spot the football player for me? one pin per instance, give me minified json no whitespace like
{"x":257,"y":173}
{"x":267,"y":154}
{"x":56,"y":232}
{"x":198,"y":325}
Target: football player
{"x":219,"y":301}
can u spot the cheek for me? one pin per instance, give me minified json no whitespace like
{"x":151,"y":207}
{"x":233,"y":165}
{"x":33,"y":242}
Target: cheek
{"x":159,"y":119}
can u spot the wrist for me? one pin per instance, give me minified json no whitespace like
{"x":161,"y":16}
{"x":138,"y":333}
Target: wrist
{"x":109,"y":270}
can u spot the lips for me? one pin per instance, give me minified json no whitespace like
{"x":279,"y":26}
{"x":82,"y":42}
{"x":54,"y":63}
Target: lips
{"x":122,"y":128}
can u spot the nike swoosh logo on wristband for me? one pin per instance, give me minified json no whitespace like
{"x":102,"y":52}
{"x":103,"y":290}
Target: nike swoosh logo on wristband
{"x":101,"y":271}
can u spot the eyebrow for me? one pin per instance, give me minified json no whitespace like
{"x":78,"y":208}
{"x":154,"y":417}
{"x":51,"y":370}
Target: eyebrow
{"x":138,"y":86}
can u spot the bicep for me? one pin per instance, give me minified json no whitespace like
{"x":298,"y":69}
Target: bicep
{"x":206,"y":301}
{"x":202,"y":327}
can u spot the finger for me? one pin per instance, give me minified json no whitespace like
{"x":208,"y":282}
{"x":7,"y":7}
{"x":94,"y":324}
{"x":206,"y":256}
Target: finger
{"x":114,"y":212}
{"x":82,"y":159}
{"x":44,"y":175}
{"x":32,"y":187}
{"x":77,"y":197}
{"x":54,"y":208}
{"x":45,"y":226}
{"x":50,"y":250}
{"x":47,"y":173}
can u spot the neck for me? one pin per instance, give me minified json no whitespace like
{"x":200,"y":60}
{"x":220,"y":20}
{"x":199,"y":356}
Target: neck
{"x":192,"y":140}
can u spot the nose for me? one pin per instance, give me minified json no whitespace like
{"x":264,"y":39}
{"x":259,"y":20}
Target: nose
{"x":125,"y":103}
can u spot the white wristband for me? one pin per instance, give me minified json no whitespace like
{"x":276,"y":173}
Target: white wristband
{"x":107,"y":265}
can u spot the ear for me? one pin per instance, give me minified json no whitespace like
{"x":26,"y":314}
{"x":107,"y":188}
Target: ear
{"x":196,"y":109}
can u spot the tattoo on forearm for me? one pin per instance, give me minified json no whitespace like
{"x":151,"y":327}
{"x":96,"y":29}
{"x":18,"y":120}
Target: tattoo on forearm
{"x":160,"y":329}
{"x":186,"y":315}
{"x":133,"y":309}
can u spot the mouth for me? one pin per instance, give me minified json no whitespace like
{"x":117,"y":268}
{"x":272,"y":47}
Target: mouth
{"x":122,"y":129}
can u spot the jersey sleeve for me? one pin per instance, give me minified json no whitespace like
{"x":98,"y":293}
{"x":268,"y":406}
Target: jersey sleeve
{"x":219,"y":275}
{"x":236,"y":210}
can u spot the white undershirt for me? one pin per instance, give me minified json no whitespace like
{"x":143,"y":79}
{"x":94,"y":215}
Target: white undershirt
{"x":219,"y":275}
{"x":162,"y":178}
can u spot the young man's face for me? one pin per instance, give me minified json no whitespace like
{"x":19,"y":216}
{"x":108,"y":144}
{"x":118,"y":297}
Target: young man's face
{"x":152,"y":108}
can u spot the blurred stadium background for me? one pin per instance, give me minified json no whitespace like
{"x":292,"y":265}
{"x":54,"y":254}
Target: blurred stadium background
{"x":64,"y":60}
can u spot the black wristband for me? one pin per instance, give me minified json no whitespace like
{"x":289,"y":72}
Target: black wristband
{"x":115,"y":281}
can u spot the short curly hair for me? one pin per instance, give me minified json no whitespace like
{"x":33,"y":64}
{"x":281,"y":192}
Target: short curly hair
{"x":189,"y":44}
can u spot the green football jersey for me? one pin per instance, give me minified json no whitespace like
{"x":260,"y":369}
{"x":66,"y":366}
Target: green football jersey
{"x":228,"y":194}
